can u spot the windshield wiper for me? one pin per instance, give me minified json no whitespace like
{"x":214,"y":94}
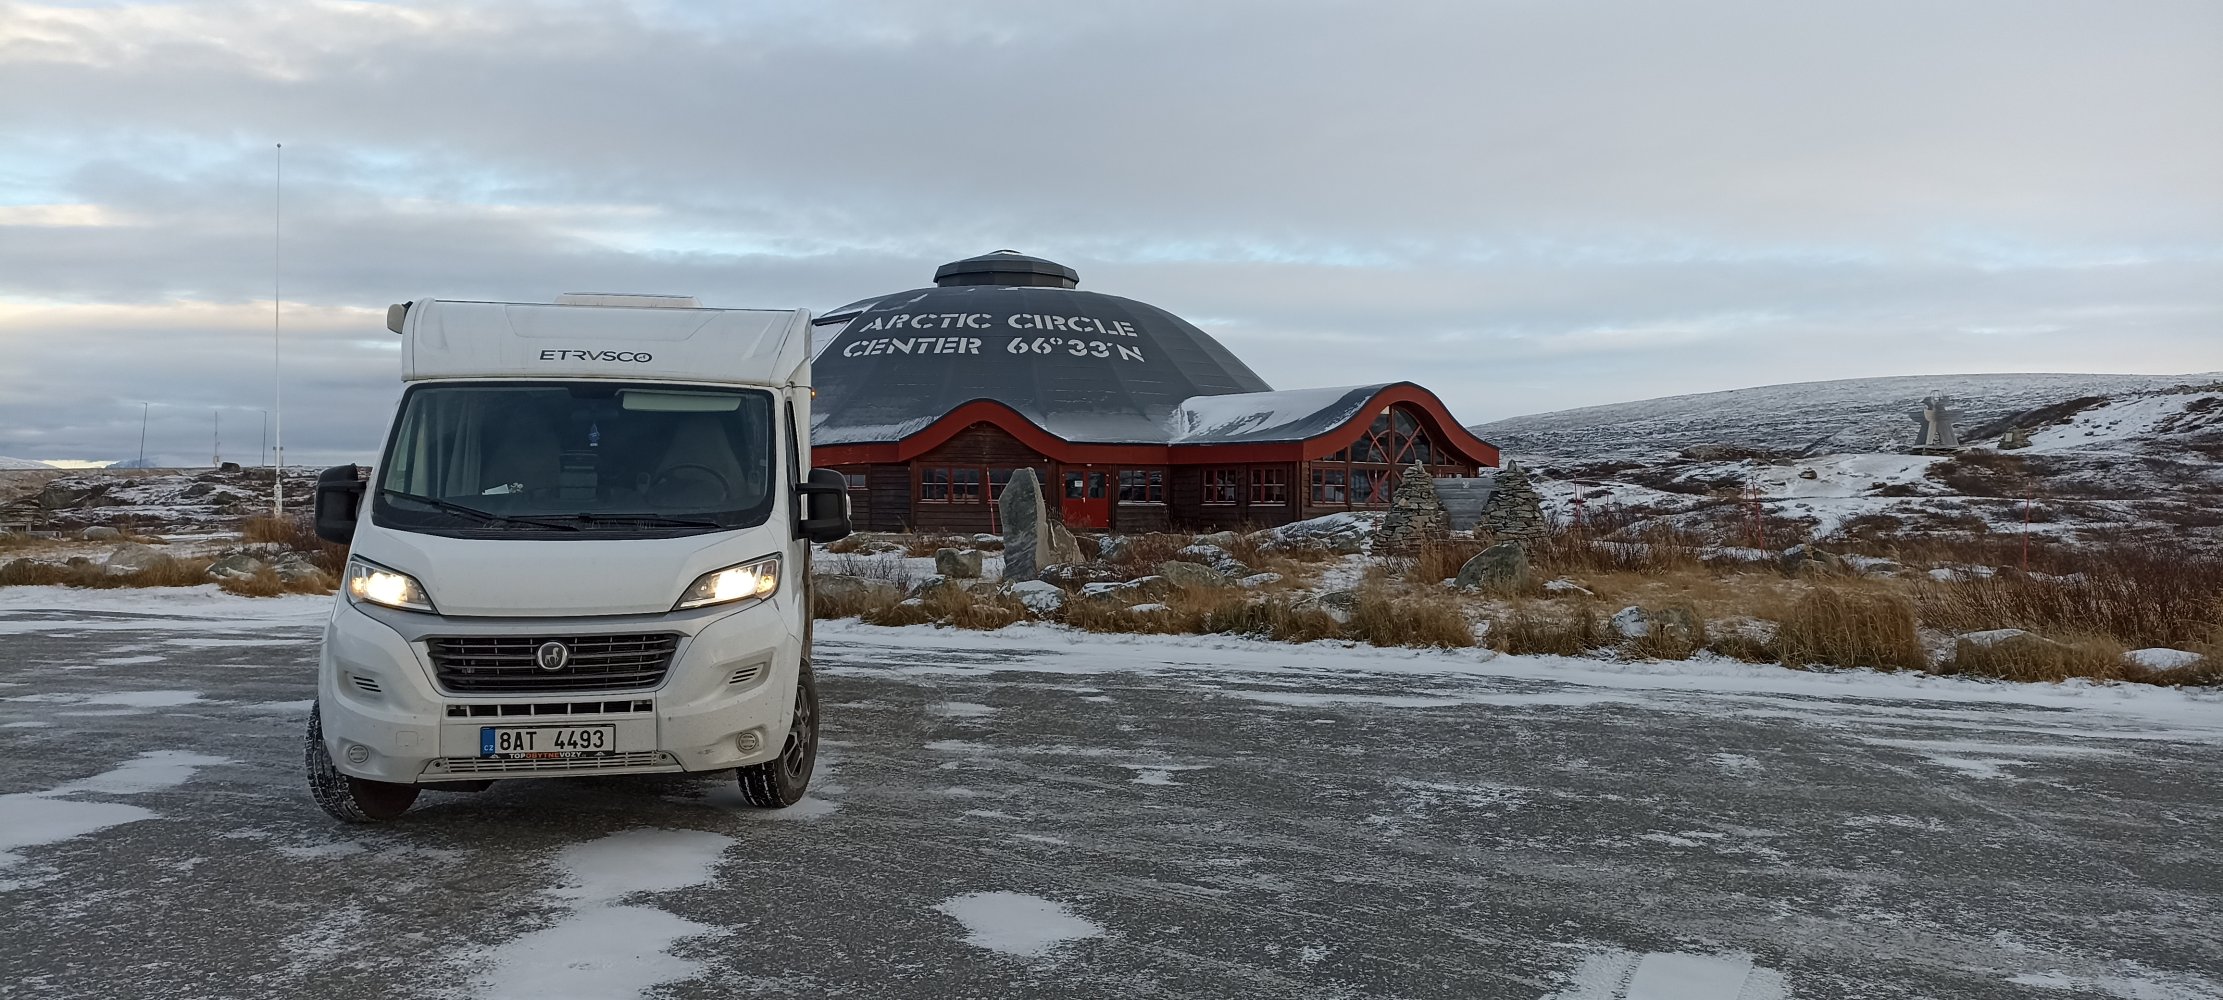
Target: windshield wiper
{"x":658,"y":520}
{"x":483,"y":516}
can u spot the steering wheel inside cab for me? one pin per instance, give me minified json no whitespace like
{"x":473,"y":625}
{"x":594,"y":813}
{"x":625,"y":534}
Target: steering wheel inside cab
{"x":688,"y":485}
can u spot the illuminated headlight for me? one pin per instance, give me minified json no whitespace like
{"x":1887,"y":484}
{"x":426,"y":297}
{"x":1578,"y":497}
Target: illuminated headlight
{"x":747,"y":582}
{"x":371,"y":584}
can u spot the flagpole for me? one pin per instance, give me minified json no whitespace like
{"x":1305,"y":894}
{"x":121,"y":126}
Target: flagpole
{"x":277,"y":371}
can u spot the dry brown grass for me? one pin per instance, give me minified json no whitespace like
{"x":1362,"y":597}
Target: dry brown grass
{"x":2134,"y":596}
{"x":1850,"y":628}
{"x":2035,"y":658}
{"x":852,"y":602}
{"x":164,"y":572}
{"x":267,"y":583}
{"x":296,"y":534}
{"x":950,"y":605}
{"x":1143,"y":553}
{"x":1665,"y":643}
{"x":1532,"y":628}
{"x":1388,"y":615}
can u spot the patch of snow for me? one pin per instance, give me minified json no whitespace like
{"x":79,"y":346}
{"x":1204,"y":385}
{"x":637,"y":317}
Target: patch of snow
{"x":1614,"y":974}
{"x":1013,"y":923}
{"x":35,"y":819}
{"x":962,"y":710}
{"x":2162,"y":658}
{"x":603,"y":948}
{"x":1991,"y":637}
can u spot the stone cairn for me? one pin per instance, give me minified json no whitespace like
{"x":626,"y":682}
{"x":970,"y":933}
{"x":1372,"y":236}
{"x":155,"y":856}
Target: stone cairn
{"x":1416,"y":515}
{"x":1515,"y":513}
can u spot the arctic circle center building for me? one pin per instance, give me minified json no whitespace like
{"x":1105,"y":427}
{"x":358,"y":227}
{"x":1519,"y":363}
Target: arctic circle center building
{"x":1134,"y":419}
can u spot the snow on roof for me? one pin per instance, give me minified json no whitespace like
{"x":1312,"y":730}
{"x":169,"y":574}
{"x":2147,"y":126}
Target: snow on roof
{"x":1283,"y":415}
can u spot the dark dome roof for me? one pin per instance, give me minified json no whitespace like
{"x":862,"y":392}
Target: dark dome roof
{"x":1085,"y":366}
{"x":1006,"y":267}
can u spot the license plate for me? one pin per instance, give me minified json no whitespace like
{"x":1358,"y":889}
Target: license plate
{"x":547,"y":742}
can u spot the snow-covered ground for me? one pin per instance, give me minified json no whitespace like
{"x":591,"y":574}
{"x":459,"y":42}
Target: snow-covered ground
{"x":1040,"y":812}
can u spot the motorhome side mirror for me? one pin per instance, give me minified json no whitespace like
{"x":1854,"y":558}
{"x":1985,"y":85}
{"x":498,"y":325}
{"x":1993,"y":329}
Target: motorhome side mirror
{"x":339,"y":499}
{"x":825,"y":502}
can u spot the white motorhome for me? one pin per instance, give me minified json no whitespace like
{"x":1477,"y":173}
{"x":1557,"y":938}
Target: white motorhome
{"x":583,"y":550}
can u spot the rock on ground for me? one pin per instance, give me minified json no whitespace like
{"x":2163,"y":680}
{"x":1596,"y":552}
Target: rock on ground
{"x":1503,"y":566}
{"x":961,"y":564}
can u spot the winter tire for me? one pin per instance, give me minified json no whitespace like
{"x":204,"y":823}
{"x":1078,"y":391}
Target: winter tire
{"x":346,"y":797}
{"x":781,"y":781}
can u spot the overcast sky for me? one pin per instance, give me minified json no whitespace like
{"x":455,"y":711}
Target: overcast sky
{"x":1524,"y":205}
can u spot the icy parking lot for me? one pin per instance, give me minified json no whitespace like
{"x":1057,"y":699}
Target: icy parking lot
{"x":1039,"y":813}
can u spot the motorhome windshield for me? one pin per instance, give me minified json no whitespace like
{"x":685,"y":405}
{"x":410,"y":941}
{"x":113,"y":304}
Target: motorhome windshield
{"x":578,"y":460}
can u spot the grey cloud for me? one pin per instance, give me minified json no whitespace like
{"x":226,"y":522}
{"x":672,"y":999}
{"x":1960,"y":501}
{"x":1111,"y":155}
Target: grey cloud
{"x":1524,"y":205}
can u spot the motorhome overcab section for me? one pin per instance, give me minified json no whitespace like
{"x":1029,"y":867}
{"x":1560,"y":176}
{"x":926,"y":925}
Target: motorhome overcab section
{"x":584,"y":550}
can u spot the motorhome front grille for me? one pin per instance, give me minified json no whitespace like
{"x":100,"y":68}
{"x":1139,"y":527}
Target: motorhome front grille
{"x":509,"y":664}
{"x":510,"y":710}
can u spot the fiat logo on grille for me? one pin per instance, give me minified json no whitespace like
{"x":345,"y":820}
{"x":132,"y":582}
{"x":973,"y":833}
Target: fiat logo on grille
{"x":552,"y":656}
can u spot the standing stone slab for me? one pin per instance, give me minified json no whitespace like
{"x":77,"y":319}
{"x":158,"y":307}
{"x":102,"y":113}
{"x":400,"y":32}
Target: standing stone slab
{"x":1026,"y":527}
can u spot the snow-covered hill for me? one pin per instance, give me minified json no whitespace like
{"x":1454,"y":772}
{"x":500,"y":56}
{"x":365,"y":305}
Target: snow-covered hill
{"x":1863,"y":415}
{"x":21,"y":463}
{"x":2110,"y":458}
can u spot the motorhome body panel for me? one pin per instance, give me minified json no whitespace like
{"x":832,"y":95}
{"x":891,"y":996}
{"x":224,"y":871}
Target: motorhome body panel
{"x":454,"y":339}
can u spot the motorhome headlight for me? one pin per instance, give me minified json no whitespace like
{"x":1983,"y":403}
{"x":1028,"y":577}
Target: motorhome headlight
{"x":373,"y":584}
{"x":750,"y":581}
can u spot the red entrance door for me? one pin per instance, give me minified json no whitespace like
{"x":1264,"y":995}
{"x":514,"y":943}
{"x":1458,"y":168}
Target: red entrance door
{"x":1087,"y":500}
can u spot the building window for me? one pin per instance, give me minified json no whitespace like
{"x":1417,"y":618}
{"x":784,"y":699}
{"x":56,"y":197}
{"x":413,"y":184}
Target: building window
{"x":1142,"y":486}
{"x":1269,"y":487}
{"x":997,"y":480}
{"x":933,"y":485}
{"x":856,"y":481}
{"x":964,"y":485}
{"x":1329,"y":486}
{"x":1222,"y":485}
{"x":1365,"y":474}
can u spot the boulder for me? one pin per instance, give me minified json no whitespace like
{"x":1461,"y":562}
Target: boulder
{"x":1630,"y":623}
{"x":1257,"y":580}
{"x":1679,"y":624}
{"x":237,"y":566}
{"x":1074,"y":575}
{"x":1111,"y":547}
{"x":1192,"y":576}
{"x":1338,"y":604}
{"x":197,"y":491}
{"x":2162,"y":658}
{"x":839,"y":586}
{"x":927,"y":585}
{"x":132,"y":557}
{"x":14,"y":567}
{"x":1566,"y":586}
{"x":1215,"y":557}
{"x":64,"y":494}
{"x":1343,"y":533}
{"x":1062,"y":547}
{"x":1148,"y":588}
{"x":1222,"y":539}
{"x":959,"y":564}
{"x":101,"y":533}
{"x":1805,"y":559}
{"x":294,"y":567}
{"x":1501,"y":567}
{"x":1042,"y":599}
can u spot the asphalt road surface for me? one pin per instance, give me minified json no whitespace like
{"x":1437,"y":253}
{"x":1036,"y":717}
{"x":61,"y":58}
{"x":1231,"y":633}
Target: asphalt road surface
{"x":1027,"y":814}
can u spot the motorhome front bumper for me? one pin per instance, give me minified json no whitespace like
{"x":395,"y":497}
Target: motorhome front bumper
{"x":422,"y":698}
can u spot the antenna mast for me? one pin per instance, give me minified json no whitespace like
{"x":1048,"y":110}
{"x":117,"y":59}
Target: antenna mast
{"x":277,"y":372}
